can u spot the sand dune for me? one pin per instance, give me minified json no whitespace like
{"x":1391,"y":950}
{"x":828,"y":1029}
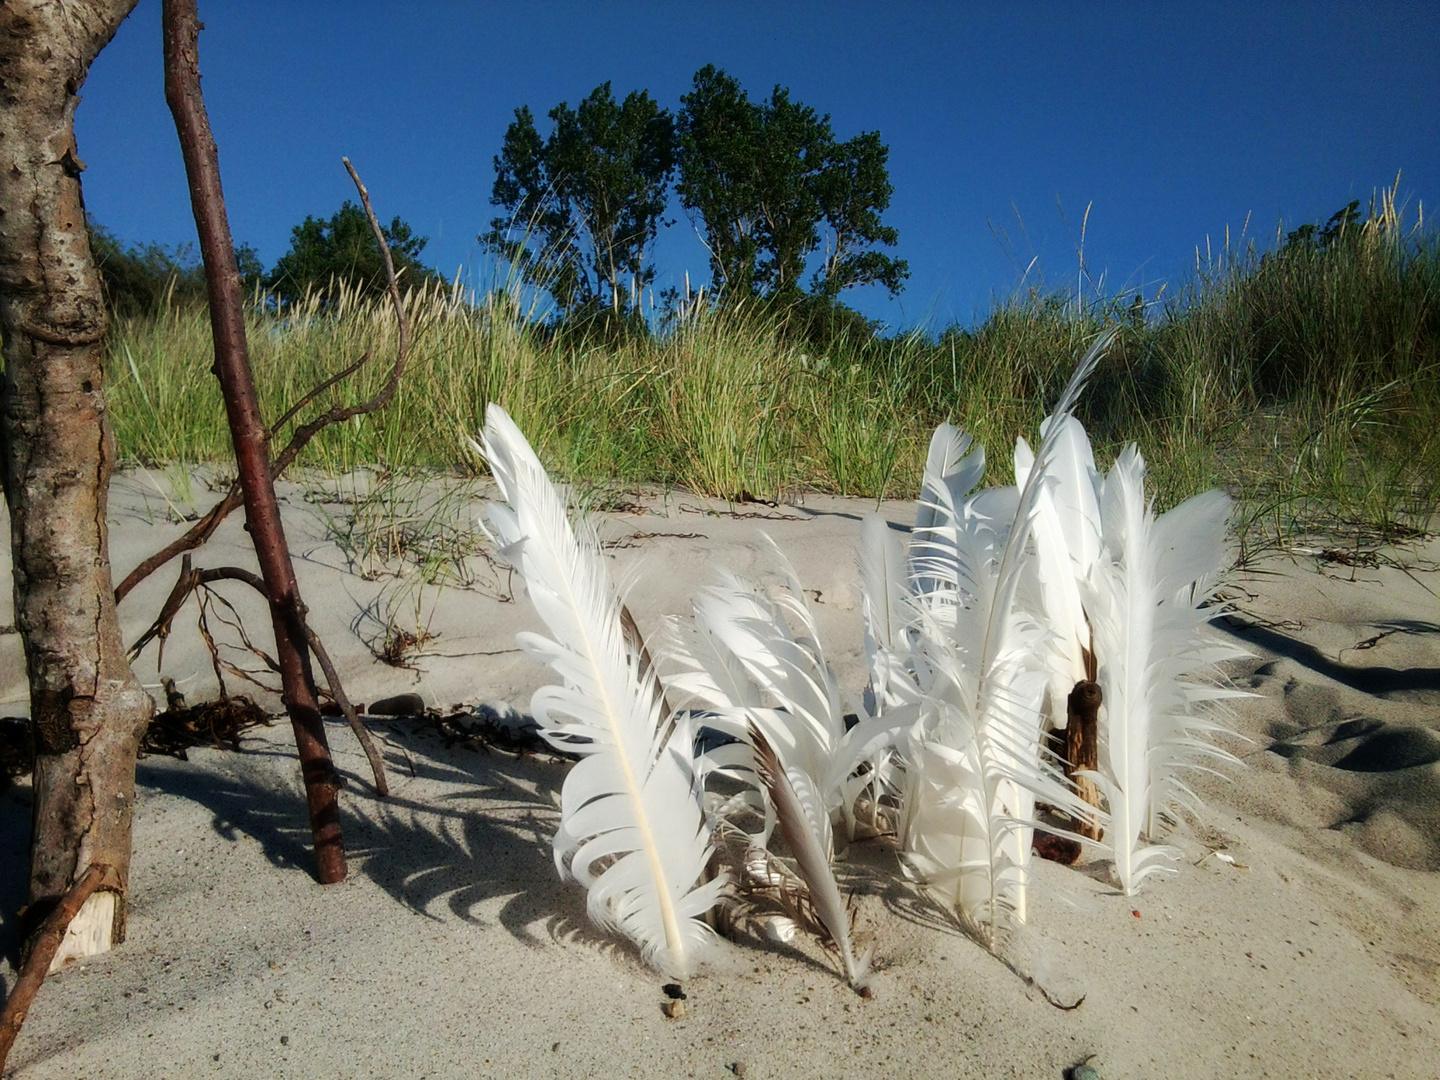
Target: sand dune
{"x":1300,"y":938}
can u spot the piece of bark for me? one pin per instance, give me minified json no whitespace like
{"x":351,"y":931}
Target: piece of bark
{"x":88,"y":710}
{"x":1082,"y":748}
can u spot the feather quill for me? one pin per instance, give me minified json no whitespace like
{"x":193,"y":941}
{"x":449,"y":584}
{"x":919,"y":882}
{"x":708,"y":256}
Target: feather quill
{"x":632,"y":830}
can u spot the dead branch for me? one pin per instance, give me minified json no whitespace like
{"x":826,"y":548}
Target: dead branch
{"x":191,"y":579}
{"x":248,"y":433}
{"x":43,"y":947}
{"x":337,"y":691}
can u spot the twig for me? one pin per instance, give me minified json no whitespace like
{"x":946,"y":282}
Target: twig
{"x":191,"y":579}
{"x":43,"y":948}
{"x":377,"y":764}
{"x":197,"y":535}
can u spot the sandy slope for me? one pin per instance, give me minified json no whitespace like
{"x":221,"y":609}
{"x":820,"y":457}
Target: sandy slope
{"x":454,"y":950}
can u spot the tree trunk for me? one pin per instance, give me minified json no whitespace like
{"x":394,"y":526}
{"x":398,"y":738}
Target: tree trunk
{"x":88,"y":709}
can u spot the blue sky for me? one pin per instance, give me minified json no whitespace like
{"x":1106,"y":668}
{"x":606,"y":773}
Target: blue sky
{"x":1004,"y":121}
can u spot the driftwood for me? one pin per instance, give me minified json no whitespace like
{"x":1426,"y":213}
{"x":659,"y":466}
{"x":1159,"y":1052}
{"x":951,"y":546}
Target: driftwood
{"x":57,"y":450}
{"x":1082,"y":748}
{"x":250,"y":436}
{"x":43,"y":947}
{"x":1082,"y":743}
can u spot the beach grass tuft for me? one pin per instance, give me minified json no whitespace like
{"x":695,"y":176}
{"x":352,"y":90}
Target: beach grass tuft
{"x":1304,"y":379}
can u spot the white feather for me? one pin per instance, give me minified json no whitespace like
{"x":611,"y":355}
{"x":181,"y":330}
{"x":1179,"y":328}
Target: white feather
{"x":952,"y":470}
{"x":805,"y":824}
{"x":975,"y":756}
{"x":631,"y":829}
{"x":882,"y":593}
{"x":1067,"y":542}
{"x":1145,"y":596}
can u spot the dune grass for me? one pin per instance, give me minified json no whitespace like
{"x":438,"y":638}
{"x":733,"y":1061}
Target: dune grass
{"x":1305,"y":380}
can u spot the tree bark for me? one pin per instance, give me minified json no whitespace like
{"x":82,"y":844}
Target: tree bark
{"x":249,"y":434}
{"x":88,"y":709}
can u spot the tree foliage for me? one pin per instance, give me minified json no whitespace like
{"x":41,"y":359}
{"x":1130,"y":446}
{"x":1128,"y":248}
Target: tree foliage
{"x":763,"y":178}
{"x":1345,"y":222}
{"x":140,"y":279}
{"x":343,"y":251}
{"x":585,"y":202}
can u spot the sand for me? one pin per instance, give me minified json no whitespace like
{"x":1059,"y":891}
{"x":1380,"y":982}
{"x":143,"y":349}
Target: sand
{"x":1301,"y":936}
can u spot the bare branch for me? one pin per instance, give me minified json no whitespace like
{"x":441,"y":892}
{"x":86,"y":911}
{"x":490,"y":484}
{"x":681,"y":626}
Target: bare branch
{"x":377,"y":765}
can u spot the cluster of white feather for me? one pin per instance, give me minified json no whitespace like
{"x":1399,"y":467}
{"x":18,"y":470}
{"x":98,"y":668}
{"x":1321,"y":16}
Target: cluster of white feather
{"x":974,"y":634}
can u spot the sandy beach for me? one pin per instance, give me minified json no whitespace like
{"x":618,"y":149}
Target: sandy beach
{"x":1301,"y":936}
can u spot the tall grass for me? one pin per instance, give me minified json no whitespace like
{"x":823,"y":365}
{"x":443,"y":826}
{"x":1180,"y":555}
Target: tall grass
{"x":1306,"y":380}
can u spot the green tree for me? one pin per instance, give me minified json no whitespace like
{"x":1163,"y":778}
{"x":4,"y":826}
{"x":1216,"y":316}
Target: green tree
{"x":344,"y":251}
{"x":586,"y":202}
{"x":138,"y":280}
{"x":719,"y":157}
{"x":853,"y":188}
{"x":762,"y":178}
{"x":1344,"y":223}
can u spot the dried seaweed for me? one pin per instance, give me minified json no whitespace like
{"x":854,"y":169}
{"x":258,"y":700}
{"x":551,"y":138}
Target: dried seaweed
{"x":214,"y":723}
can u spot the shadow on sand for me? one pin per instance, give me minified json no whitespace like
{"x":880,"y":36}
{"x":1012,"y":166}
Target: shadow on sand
{"x":461,"y":829}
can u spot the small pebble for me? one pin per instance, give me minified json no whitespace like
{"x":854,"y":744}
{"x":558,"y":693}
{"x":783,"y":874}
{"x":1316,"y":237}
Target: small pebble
{"x":284,"y":1040}
{"x":1084,"y":1072}
{"x":738,"y":1068}
{"x":673,"y":1009}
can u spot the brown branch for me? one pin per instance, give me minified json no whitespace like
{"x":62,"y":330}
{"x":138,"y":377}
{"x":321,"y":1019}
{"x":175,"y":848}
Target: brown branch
{"x":43,"y":947}
{"x":197,"y":535}
{"x":377,"y":765}
{"x":205,"y":528}
{"x":306,"y":399}
{"x":191,"y":579}
{"x":181,"y":24}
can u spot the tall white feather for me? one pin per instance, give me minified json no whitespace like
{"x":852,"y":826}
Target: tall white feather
{"x":975,"y":757}
{"x":888,"y":639}
{"x":1145,"y":596}
{"x":631,"y":824}
{"x":1067,"y":543}
{"x":952,"y":471}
